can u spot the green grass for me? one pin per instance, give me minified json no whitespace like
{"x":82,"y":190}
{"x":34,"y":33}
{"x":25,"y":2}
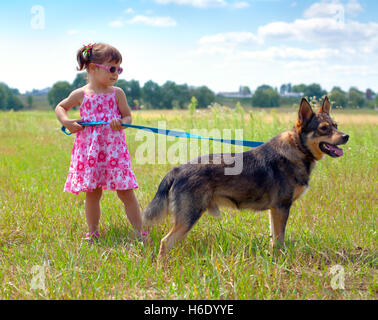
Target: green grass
{"x":334,"y":223}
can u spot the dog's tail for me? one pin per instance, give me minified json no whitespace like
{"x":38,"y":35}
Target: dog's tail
{"x":158,"y":207}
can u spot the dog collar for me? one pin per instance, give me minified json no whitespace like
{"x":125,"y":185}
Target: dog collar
{"x":303,"y":148}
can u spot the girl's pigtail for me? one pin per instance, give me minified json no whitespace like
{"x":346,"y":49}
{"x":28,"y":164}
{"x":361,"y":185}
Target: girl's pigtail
{"x":83,"y":56}
{"x":81,"y":60}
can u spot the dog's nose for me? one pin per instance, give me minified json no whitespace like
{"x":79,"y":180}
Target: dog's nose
{"x":345,"y":137}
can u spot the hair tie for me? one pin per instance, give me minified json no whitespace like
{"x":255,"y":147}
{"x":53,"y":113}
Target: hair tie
{"x":88,"y":50}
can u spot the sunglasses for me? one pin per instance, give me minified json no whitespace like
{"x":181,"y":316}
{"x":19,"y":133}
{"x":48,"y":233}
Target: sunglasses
{"x":110,"y":69}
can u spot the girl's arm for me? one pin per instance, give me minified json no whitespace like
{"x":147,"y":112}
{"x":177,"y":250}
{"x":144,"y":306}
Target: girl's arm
{"x":61,"y":109}
{"x":123,"y":109}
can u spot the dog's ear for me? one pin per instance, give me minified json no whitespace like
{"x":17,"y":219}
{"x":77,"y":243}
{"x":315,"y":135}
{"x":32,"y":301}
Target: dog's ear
{"x":305,"y":112}
{"x":326,"y":106}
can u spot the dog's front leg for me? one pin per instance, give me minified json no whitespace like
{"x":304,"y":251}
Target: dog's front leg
{"x":278,"y":218}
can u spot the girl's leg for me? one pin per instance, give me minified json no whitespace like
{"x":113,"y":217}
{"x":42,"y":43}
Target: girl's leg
{"x":132,"y":208}
{"x":92,"y":209}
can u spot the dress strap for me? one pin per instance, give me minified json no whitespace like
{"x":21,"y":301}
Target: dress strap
{"x":115,"y":88}
{"x":84,"y":97}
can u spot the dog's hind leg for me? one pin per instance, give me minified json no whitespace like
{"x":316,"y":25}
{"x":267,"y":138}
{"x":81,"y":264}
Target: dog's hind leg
{"x":278,"y":218}
{"x":213,"y":209}
{"x":178,"y":232}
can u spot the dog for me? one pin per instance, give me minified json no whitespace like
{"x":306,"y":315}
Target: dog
{"x":273,"y":176}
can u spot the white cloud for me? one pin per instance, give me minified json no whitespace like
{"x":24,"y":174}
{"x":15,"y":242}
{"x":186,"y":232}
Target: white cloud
{"x":153,"y":21}
{"x":230,"y":38}
{"x":322,"y":32}
{"x":322,"y":27}
{"x":240,"y":5}
{"x":268,"y":54}
{"x":299,"y":50}
{"x":323,"y":24}
{"x":72,"y":32}
{"x":207,"y":3}
{"x":116,"y":23}
{"x":301,"y":29}
{"x":333,"y":8}
{"x":350,"y":70}
{"x":324,"y":9}
{"x":291,"y":53}
{"x":129,"y":10}
{"x":212,"y":50}
{"x":196,"y":3}
{"x":353,"y":8}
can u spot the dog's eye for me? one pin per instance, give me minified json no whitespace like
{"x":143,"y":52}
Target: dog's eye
{"x":323,"y":128}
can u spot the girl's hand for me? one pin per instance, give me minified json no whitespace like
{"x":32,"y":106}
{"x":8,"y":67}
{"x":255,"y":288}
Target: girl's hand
{"x":115,"y":124}
{"x":73,"y":126}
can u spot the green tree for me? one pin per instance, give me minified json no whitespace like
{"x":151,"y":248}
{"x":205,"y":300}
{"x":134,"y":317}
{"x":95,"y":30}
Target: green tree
{"x":283,"y":89}
{"x":299,"y":88}
{"x":183,"y":95}
{"x":203,"y":95}
{"x":80,"y":80}
{"x":174,"y":95}
{"x":9,"y":98}
{"x":265,"y":97}
{"x":14,"y":102}
{"x":3,"y":97}
{"x":356,"y":98}
{"x":132,"y":90}
{"x":58,"y":92}
{"x":169,"y":94}
{"x":152,"y":95}
{"x":339,"y":97}
{"x":314,"y":90}
{"x":244,"y":90}
{"x":29,"y":101}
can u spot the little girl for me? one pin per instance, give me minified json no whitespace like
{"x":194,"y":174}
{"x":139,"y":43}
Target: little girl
{"x":100,"y":158}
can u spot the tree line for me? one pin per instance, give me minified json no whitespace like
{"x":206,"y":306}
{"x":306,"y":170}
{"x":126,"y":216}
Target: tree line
{"x":178,"y":96}
{"x":174,"y":96}
{"x":266,"y":96}
{"x":9,"y":98}
{"x":353,"y":98}
{"x":151,"y":96}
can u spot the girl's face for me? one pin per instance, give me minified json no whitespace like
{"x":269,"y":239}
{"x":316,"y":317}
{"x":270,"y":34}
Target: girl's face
{"x":104,"y":76}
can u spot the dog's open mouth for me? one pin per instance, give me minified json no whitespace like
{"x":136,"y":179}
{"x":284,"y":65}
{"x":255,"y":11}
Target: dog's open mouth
{"x":331,"y":149}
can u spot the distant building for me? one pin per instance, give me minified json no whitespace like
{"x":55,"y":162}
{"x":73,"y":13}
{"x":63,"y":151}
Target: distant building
{"x":234,"y":94}
{"x":36,"y":92}
{"x":240,"y":94}
{"x":292,"y":94}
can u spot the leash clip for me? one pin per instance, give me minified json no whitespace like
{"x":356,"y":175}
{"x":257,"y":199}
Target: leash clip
{"x":64,"y":129}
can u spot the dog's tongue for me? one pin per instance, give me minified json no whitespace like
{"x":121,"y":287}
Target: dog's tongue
{"x":337,"y":151}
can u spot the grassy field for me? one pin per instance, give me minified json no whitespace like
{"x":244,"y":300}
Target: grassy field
{"x":43,"y":255}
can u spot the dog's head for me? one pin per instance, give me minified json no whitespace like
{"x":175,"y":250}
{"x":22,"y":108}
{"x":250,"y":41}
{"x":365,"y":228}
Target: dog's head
{"x":318,"y":132}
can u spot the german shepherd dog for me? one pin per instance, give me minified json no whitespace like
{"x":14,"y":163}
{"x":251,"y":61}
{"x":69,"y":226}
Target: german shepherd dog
{"x":273,"y":176}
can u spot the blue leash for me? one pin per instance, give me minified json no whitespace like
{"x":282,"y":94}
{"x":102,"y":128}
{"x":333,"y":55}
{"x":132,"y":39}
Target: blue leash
{"x":179,"y":134}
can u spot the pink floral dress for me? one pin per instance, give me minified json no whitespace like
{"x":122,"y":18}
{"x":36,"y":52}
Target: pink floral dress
{"x":100,"y":157}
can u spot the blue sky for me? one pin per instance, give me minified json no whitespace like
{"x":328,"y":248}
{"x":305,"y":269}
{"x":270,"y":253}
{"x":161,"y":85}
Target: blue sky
{"x":218,"y":43}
